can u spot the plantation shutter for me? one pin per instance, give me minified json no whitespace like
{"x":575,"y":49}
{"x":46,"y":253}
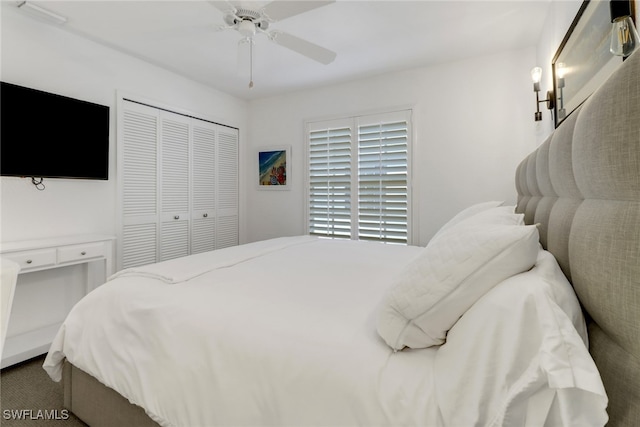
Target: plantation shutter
{"x":330,"y":180}
{"x":359,"y":177}
{"x":383,"y":197}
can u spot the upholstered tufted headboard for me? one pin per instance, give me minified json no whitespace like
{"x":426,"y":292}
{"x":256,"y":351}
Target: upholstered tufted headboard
{"x":582,"y":185}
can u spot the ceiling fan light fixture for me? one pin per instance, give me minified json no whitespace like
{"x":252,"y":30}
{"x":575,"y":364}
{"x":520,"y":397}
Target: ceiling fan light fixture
{"x":247,"y":28}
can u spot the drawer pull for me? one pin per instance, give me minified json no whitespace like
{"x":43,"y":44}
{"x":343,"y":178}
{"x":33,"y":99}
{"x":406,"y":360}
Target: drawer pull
{"x":176,"y":217}
{"x":83,"y":253}
{"x":29,"y":261}
{"x":205,"y":215}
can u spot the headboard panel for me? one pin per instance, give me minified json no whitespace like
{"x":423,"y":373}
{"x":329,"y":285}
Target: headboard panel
{"x":589,"y":219}
{"x":548,"y":196}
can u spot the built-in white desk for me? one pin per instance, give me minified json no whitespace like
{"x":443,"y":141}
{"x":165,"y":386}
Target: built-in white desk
{"x":93,"y":252}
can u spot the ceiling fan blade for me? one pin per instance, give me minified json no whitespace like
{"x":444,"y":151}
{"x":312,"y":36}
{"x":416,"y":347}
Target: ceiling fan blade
{"x":279,"y":10}
{"x":223,"y":6}
{"x":303,"y":47}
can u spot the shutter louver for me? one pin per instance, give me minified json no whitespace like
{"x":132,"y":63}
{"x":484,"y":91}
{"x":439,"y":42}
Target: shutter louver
{"x":139,"y":169}
{"x":202,"y":235}
{"x":227,"y":199}
{"x":139,"y":245}
{"x":383,"y":182}
{"x":204,"y":176}
{"x":227,"y":234}
{"x":228,"y":172}
{"x":175,"y":166}
{"x":175,"y":242}
{"x":330,"y":182}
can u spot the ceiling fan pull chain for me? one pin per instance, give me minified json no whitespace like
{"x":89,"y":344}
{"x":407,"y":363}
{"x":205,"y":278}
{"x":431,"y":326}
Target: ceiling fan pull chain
{"x":250,"y":63}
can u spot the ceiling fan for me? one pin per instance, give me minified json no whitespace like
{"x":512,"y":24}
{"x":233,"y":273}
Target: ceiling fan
{"x":250,"y":21}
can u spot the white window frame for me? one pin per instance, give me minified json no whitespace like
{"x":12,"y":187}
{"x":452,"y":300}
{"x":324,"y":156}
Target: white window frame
{"x":354,"y":123}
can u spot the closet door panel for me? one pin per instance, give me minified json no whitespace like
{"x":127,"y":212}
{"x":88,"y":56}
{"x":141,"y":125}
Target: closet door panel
{"x":177,"y":182}
{"x":174,"y":185}
{"x":138,"y":170}
{"x":227,"y":194}
{"x":203,"y":172}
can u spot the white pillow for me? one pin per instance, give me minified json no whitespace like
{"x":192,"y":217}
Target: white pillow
{"x":527,"y":340}
{"x":471,"y":211}
{"x":449,"y":275}
{"x":504,"y":215}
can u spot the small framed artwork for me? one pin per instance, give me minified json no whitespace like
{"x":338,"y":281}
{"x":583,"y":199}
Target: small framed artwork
{"x":274,"y":164}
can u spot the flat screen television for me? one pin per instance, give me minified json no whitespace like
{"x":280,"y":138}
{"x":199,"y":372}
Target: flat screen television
{"x":44,"y":135}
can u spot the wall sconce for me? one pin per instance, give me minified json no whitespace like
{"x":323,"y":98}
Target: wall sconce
{"x":624,"y":36}
{"x":561,"y":70}
{"x":536,"y":74}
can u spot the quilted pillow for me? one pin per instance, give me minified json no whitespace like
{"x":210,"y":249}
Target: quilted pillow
{"x":436,"y":288}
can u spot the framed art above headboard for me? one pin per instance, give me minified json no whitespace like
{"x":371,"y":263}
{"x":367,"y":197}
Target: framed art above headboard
{"x":583,"y":60}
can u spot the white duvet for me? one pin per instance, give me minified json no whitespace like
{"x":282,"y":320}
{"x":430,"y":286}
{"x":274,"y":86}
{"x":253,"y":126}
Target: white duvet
{"x":283,"y":332}
{"x":247,"y":340}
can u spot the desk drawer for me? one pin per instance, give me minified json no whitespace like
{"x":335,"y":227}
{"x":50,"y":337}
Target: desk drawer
{"x":33,"y":259}
{"x":80,"y":252}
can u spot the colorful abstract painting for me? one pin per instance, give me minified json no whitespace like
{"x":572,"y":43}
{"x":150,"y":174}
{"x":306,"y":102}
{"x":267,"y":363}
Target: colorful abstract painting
{"x":272,"y":167}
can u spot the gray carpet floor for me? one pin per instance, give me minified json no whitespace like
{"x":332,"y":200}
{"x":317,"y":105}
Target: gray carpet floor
{"x":28,"y":397}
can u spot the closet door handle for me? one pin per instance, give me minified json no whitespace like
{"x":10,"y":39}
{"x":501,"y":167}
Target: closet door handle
{"x":176,"y":217}
{"x":205,"y":215}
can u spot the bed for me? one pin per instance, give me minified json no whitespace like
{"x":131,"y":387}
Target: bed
{"x":511,"y":315}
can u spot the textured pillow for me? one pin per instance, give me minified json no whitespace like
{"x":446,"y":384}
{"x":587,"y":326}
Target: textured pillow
{"x":471,"y":211}
{"x":448,"y":276}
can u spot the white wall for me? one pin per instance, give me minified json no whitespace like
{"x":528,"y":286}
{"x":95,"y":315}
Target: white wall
{"x":473,"y":123}
{"x":46,"y":57}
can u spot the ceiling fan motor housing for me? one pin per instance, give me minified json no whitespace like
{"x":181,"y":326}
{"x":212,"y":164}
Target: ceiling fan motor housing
{"x":246,"y":21}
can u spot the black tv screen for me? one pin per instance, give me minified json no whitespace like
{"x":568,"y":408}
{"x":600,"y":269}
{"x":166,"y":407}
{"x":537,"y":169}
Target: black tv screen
{"x":44,"y":135}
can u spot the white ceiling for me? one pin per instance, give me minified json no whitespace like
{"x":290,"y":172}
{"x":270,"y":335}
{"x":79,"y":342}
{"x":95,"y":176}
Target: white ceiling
{"x":369,"y":36}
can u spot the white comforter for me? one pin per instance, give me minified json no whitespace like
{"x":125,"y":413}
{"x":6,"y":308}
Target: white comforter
{"x":242,"y":337}
{"x":283,"y":332}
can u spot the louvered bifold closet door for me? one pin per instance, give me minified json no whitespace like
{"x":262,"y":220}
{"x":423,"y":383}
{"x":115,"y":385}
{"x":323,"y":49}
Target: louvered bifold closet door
{"x":138,"y":175}
{"x":203,"y":211}
{"x":330,"y":188}
{"x":227,"y":214}
{"x":174,"y":185}
{"x":383,"y":177}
